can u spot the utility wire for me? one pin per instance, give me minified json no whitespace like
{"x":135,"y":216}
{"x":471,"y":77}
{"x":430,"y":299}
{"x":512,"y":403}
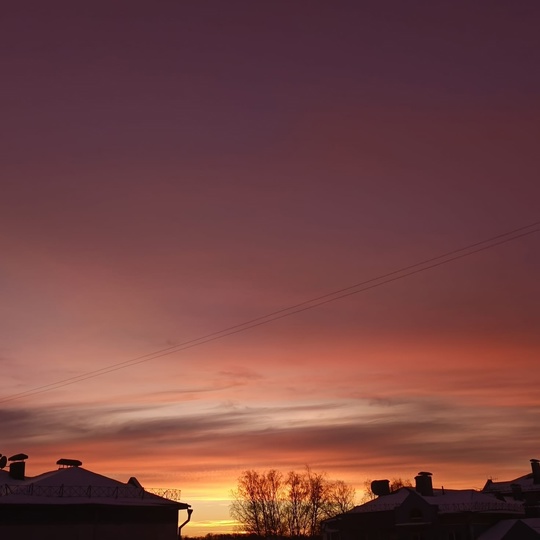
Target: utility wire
{"x":293,"y":309}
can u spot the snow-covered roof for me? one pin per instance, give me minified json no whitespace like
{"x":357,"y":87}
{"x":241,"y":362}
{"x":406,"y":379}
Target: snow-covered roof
{"x":526,"y":483}
{"x":448,"y":501}
{"x":76,"y":485}
{"x":383,"y":503}
{"x":498,"y":530}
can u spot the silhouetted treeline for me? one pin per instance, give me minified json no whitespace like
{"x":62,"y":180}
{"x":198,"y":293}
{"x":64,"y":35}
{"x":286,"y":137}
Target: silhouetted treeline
{"x":271,"y":504}
{"x":231,"y":536}
{"x":219,"y":536}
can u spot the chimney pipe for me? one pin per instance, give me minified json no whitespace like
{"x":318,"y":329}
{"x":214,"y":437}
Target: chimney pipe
{"x":535,"y":465}
{"x":17,"y":466}
{"x":424,"y":484}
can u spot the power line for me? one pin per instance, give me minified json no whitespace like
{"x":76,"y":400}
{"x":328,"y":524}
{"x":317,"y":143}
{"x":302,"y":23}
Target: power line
{"x":312,"y":303}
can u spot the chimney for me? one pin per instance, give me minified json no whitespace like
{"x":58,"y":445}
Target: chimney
{"x":380,"y":487}
{"x":517,"y":493}
{"x":535,"y":465}
{"x":17,"y":466}
{"x":424,"y":484}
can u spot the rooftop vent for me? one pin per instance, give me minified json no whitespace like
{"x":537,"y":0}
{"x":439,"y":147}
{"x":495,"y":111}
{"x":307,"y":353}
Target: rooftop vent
{"x":66,"y":463}
{"x":380,"y":487}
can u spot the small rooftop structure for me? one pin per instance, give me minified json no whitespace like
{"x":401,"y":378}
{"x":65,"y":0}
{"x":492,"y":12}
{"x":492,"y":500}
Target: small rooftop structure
{"x":63,"y":462}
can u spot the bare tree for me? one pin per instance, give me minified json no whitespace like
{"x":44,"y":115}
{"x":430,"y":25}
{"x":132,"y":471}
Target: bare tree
{"x":368,"y":492}
{"x":246,"y":508}
{"x":397,"y":483}
{"x":266,"y":504}
{"x":318,"y":499}
{"x":271,"y":497}
{"x":297,"y":508}
{"x":342,"y":498}
{"x":258,"y":503}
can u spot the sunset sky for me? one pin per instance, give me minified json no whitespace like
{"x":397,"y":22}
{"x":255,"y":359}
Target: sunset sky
{"x":170,"y":169}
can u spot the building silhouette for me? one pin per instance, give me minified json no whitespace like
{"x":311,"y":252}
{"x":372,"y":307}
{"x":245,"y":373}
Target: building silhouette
{"x":501,"y":511}
{"x":525,"y":489}
{"x":74,"y":503}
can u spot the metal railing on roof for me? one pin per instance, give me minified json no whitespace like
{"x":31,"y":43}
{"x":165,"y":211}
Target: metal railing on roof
{"x":101,"y":492}
{"x":167,"y":493}
{"x":470,"y":506}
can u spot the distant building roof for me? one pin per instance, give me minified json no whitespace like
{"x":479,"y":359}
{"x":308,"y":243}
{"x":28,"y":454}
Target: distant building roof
{"x":499,"y":530}
{"x":526,"y":483}
{"x":448,"y":501}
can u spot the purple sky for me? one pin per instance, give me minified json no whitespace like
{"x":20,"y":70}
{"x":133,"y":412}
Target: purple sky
{"x":170,"y":169}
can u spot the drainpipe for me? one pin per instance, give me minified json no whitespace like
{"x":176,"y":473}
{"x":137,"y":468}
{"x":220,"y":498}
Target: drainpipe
{"x":189,"y":512}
